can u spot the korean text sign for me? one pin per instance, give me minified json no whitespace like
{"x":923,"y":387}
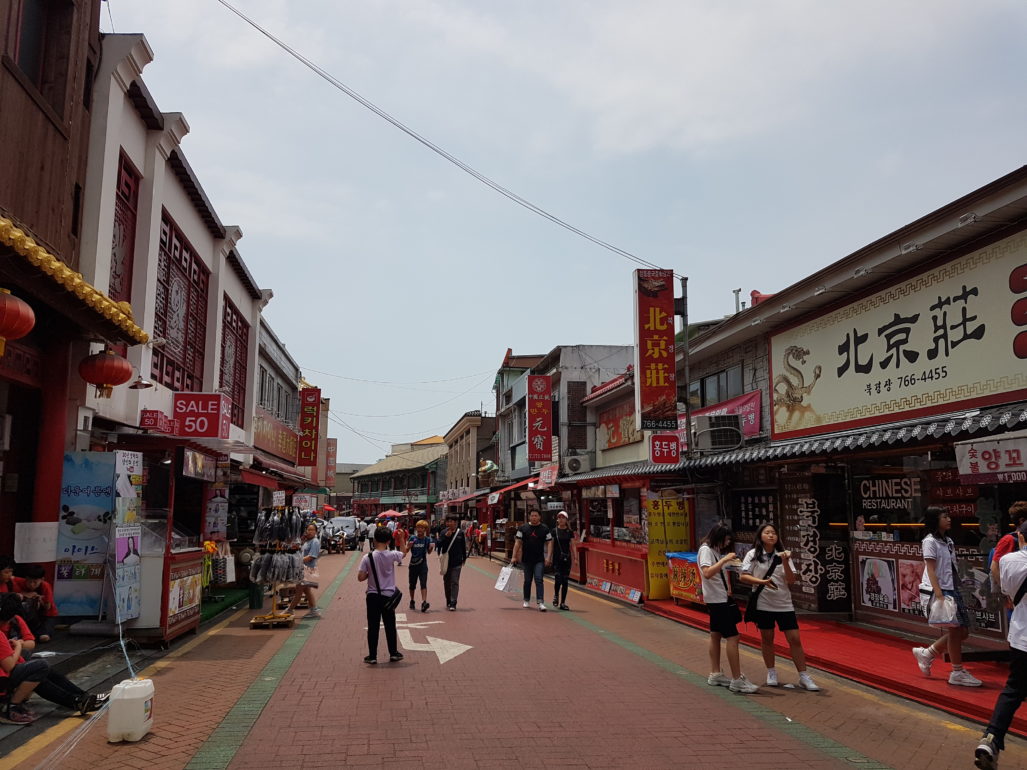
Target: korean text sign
{"x":202,"y":415}
{"x":310,"y":425}
{"x":993,"y":461}
{"x":540,"y":418}
{"x":664,"y":449}
{"x":949,"y":337}
{"x":656,"y":392}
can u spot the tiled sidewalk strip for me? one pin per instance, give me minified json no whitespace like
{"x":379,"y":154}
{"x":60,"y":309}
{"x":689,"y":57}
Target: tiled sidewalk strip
{"x":219,"y":749}
{"x":796,"y":730}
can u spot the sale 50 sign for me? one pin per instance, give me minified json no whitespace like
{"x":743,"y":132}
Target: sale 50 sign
{"x":203,"y":415}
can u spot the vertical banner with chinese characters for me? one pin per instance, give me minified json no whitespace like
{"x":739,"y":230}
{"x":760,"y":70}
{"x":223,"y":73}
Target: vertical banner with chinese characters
{"x":331,"y":453}
{"x":656,"y":393}
{"x":310,"y":425}
{"x":540,"y":418}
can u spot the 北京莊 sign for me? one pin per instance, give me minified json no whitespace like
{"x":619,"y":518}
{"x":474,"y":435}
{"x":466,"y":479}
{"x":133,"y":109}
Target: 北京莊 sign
{"x":952,"y":337}
{"x":202,"y":415}
{"x":656,"y":390}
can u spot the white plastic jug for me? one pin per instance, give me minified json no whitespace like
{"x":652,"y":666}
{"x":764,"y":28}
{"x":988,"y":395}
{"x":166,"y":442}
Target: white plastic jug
{"x":130,"y":710}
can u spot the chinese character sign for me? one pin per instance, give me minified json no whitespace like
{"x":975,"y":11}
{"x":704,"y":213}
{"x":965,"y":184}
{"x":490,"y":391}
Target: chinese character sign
{"x":540,"y":418}
{"x":656,"y":392}
{"x":274,"y":436}
{"x":310,"y":425}
{"x":952,"y":336}
{"x":331,"y":453}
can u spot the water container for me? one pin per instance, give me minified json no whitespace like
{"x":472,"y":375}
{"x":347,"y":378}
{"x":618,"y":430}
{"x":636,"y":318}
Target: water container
{"x":130,"y":710}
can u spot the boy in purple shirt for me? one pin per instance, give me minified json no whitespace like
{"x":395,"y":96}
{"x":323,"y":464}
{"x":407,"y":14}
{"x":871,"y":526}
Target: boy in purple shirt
{"x":378,"y":589}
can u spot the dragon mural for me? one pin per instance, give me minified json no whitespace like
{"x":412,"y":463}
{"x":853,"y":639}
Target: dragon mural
{"x":790,"y":389}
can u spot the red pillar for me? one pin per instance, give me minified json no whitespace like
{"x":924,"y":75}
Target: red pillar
{"x":53,"y":426}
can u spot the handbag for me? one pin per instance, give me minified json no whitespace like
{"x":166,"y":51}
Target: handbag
{"x":388,"y":602}
{"x":750,"y":608}
{"x":733,"y":608}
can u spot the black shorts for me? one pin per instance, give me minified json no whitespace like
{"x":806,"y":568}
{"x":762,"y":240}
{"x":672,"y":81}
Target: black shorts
{"x":786,"y":621}
{"x":723,"y":619}
{"x":418,"y":571}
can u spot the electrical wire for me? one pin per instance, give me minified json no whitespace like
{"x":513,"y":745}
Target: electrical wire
{"x":395,"y":382}
{"x":418,"y":411}
{"x":488,"y":182}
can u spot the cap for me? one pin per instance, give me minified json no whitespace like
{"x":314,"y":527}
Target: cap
{"x":562,"y":513}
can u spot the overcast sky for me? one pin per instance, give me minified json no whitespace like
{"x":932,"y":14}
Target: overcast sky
{"x":745,"y":144}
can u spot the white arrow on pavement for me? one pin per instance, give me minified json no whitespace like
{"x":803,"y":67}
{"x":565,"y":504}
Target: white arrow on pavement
{"x":443,"y":648}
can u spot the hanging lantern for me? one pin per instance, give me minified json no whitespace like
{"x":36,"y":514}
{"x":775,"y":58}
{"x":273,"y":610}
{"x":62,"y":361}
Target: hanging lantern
{"x":105,"y":370}
{"x":16,"y":318}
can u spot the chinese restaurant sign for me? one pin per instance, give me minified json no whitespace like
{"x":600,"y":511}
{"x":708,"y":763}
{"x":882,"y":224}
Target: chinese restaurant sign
{"x":616,"y":426}
{"x":202,"y":415}
{"x":951,"y":337}
{"x":274,"y":436}
{"x":656,"y":392}
{"x":995,"y":460}
{"x":540,"y":418}
{"x":310,"y":425}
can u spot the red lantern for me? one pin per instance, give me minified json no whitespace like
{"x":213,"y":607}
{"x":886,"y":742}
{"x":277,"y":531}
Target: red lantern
{"x":16,"y":318}
{"x":105,"y":370}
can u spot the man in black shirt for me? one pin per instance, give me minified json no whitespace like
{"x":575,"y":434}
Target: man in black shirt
{"x":453,"y":547}
{"x":534,"y":546}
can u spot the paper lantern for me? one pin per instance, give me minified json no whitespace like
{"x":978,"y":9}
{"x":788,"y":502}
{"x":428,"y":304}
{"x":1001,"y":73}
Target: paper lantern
{"x":16,"y":318}
{"x":105,"y":371}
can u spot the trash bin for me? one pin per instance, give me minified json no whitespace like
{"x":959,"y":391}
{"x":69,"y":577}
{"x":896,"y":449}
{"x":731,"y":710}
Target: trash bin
{"x":256,"y":596}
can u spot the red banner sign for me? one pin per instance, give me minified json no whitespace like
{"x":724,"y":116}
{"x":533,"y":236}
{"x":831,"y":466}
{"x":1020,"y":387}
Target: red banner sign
{"x":274,"y":436}
{"x":656,"y":391}
{"x":547,"y":476}
{"x":540,"y":418}
{"x":748,"y":405}
{"x":158,"y":422}
{"x":203,"y":415}
{"x":664,"y":448}
{"x":310,"y":425}
{"x":331,"y":453}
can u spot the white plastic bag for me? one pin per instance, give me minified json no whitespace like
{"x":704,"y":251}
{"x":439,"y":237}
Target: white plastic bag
{"x":504,"y":577}
{"x":943,"y":613}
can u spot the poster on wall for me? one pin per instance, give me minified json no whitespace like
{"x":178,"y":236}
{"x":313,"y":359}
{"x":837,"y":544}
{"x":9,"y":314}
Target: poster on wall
{"x":184,"y":591}
{"x":616,"y":426}
{"x":877,"y":583}
{"x":910,"y":573}
{"x":127,"y":571}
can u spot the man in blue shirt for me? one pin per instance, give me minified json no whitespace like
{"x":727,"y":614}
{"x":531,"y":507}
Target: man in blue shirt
{"x":419,"y":546}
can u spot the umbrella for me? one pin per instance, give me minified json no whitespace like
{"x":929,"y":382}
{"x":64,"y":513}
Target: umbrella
{"x":328,"y":508}
{"x":390,"y":514}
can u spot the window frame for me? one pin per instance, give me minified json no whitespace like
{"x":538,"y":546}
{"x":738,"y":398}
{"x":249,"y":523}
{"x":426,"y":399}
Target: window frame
{"x":234,"y":374}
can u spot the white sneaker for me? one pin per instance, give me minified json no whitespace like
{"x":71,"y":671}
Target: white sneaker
{"x":986,"y":753}
{"x":743,"y":685}
{"x":964,"y":678}
{"x":806,"y":682}
{"x":771,"y":677}
{"x":526,"y":605}
{"x":541,"y":607}
{"x":924,"y":659}
{"x":718,"y":680}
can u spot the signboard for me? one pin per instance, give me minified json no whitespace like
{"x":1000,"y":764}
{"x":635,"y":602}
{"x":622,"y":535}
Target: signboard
{"x":278,"y":498}
{"x":310,"y":426}
{"x":547,"y":476}
{"x":685,"y":581}
{"x":748,"y":405}
{"x":664,"y":449}
{"x":184,"y":590}
{"x":158,"y":422}
{"x":540,"y":418}
{"x":948,"y":338}
{"x":35,"y":542}
{"x":668,"y":528}
{"x":274,"y":436}
{"x":331,"y":453}
{"x":127,"y":571}
{"x":656,"y":390}
{"x":992,"y":461}
{"x":617,"y":426}
{"x":197,"y":465}
{"x":202,"y":415}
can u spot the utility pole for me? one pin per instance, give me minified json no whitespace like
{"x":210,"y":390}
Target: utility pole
{"x":681,"y":309}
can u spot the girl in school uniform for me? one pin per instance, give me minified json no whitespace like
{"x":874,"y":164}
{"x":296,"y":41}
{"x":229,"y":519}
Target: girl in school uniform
{"x":715,"y":554}
{"x":768,"y":569}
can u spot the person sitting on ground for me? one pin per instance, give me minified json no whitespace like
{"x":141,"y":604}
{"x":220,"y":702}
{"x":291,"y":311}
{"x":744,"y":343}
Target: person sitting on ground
{"x":6,"y":574}
{"x":52,"y":686}
{"x":39,"y":609}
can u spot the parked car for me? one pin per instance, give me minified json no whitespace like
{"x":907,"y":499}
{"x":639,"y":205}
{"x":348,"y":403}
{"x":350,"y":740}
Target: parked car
{"x":347,"y":525}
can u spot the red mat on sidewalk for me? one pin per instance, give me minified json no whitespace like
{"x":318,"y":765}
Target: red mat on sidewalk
{"x":874,"y":659}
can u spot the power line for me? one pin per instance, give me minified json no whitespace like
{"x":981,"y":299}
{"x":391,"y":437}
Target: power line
{"x":509,"y":194}
{"x":395,"y":382}
{"x":418,"y":411}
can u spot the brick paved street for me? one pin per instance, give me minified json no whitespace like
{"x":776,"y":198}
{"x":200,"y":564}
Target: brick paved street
{"x":603,"y":686}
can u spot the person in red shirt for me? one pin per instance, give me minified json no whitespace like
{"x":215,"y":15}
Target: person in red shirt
{"x":18,"y":679}
{"x":400,"y":537}
{"x":6,"y":574}
{"x":37,"y":599}
{"x":1006,"y":544}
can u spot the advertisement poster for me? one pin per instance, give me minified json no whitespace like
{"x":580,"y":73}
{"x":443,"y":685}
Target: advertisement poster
{"x":184,"y":591}
{"x":668,"y":529}
{"x":540,"y":418}
{"x":87,"y":510}
{"x":877,"y":583}
{"x":128,"y":566}
{"x":910,"y":573}
{"x":943,"y":340}
{"x":616,"y":426}
{"x":656,"y":391}
{"x":685,"y":582}
{"x":748,"y":406}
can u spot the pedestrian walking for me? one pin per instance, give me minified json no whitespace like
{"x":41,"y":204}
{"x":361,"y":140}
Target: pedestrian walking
{"x":400,"y":537}
{"x":419,"y":546}
{"x":310,"y":551}
{"x":380,"y":566}
{"x":452,"y":550}
{"x":941,"y":579}
{"x":1013,"y":580}
{"x":533,"y":546}
{"x":563,"y":559}
{"x":716,"y":554}
{"x":770,"y":603}
{"x":1007,"y":543}
{"x":361,"y":534}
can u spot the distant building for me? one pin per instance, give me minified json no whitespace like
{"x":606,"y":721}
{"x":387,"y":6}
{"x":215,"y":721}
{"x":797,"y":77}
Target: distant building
{"x":342,"y":491}
{"x":408,"y":481}
{"x":468,"y":440}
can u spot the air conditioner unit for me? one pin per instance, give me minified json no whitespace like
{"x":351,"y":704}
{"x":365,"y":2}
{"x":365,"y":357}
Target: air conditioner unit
{"x":716,"y":433}
{"x":577,"y":464}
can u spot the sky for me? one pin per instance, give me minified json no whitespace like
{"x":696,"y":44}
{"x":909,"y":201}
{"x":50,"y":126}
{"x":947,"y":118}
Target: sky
{"x":745,"y":144}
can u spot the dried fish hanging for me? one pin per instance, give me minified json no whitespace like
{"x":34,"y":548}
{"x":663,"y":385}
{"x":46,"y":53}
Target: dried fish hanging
{"x":279,"y":562}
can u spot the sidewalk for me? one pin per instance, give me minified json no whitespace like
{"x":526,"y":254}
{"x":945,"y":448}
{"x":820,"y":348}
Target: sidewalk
{"x":876,"y":659}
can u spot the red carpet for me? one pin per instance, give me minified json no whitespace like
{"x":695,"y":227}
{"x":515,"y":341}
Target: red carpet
{"x":874,"y":659}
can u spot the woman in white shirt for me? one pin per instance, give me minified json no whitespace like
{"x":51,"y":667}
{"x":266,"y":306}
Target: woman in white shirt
{"x":941,"y":579}
{"x":724,"y":613}
{"x":768,"y":569}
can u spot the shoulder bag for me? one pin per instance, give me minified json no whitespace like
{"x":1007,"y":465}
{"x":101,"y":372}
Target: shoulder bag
{"x":736,"y":612}
{"x":444,"y":555}
{"x":388,"y":602}
{"x":750,"y":608}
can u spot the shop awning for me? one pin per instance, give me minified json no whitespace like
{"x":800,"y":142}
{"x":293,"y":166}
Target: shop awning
{"x":58,"y":285}
{"x":257,"y":479}
{"x":495,"y":495}
{"x":288,"y":473}
{"x":465,"y":498}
